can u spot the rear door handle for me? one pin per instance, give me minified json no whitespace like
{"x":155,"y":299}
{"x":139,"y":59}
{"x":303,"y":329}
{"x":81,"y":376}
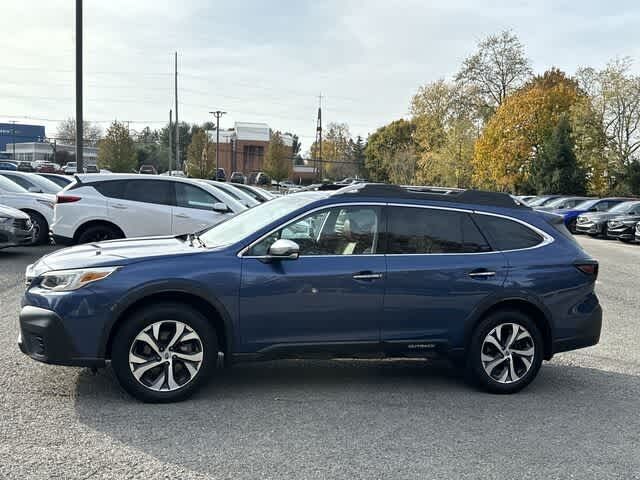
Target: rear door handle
{"x":367,"y":276}
{"x":481,"y":273}
{"x":119,"y":206}
{"x":181,"y":215}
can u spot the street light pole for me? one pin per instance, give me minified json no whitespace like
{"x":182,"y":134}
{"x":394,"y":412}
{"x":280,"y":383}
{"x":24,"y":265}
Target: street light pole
{"x":79,"y":128}
{"x":217,"y":114}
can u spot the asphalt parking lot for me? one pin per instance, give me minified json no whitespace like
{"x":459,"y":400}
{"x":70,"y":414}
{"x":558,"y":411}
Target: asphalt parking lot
{"x":334,"y":419}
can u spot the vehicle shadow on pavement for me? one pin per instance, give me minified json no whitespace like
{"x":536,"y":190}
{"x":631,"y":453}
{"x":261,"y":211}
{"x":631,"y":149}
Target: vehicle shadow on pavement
{"x":375,"y":419}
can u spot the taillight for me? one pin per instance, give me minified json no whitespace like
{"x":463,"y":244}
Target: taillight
{"x":588,"y":268}
{"x":67,"y":198}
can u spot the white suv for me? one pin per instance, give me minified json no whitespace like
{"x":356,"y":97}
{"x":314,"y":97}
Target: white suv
{"x":107,"y":206}
{"x":39,"y":206}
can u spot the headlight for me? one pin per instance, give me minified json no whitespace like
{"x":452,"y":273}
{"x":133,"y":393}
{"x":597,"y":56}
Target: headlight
{"x":65,"y":280}
{"x":46,"y":203}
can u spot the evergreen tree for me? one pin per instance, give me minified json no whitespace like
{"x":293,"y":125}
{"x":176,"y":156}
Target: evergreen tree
{"x":557,"y":170}
{"x":277,"y":161}
{"x":116,"y":151}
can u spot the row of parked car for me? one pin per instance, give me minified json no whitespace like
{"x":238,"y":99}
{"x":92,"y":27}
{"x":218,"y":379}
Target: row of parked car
{"x":610,"y":217}
{"x":94,"y":207}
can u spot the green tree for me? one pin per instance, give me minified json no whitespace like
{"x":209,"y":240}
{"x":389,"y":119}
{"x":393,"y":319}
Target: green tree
{"x":277,"y":160}
{"x":513,"y":138}
{"x":383,"y":145}
{"x":116,"y":151}
{"x":498,"y":68}
{"x":200,"y":156}
{"x":66,"y":132}
{"x":557,"y":169}
{"x":186,"y":131}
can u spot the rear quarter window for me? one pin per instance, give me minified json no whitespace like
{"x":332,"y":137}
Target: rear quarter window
{"x":505,"y":234}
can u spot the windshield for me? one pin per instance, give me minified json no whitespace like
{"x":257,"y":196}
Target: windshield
{"x":249,"y":221}
{"x":540,"y":201}
{"x":47,"y":186}
{"x":586,"y":205}
{"x":623,"y":207}
{"x":8,"y":186}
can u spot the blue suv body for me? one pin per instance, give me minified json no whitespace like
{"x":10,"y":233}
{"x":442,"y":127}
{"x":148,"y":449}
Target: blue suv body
{"x":366,"y":270}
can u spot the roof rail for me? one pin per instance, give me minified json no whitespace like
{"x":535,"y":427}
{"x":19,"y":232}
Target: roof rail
{"x":454,"y":195}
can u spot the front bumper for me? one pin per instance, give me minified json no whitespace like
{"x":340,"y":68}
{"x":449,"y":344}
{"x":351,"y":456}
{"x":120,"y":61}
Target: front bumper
{"x":43,"y":337}
{"x":590,"y":228}
{"x":587,"y":334}
{"x":623,"y":232}
{"x":10,"y":237}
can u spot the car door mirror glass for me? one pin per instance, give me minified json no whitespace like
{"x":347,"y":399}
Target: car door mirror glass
{"x":284,"y":249}
{"x":35,"y":190}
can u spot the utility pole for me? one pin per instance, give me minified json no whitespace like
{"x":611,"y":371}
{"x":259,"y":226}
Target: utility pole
{"x":13,"y":139}
{"x":79,"y":126}
{"x":170,"y":139}
{"x":177,"y":122}
{"x":217,"y":114}
{"x":319,"y":139}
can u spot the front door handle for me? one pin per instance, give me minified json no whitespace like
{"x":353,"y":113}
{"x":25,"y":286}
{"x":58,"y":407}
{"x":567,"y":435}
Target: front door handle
{"x":181,"y":215}
{"x":481,"y":273}
{"x":367,"y":276}
{"x":119,"y":206}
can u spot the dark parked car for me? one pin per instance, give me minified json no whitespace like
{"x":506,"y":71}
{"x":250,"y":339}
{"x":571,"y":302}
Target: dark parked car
{"x":570,"y":215}
{"x":220,"y":175}
{"x":542,"y":200}
{"x":4,"y":165}
{"x":15,"y":228}
{"x":237,"y":177}
{"x":596,"y":223}
{"x":92,"y":169}
{"x":367,"y":270}
{"x":623,"y":227}
{"x":563,"y":203}
{"x":48,"y":167}
{"x":146,"y":169}
{"x":638,"y":232}
{"x":26,"y":167}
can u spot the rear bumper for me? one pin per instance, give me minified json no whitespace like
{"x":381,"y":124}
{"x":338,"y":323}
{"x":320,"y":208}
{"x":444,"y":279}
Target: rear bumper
{"x":587,"y":333}
{"x":44,"y":338}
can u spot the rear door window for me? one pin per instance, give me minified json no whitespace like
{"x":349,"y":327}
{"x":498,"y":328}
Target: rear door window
{"x":505,"y":234}
{"x":414,"y":230}
{"x":149,"y":191}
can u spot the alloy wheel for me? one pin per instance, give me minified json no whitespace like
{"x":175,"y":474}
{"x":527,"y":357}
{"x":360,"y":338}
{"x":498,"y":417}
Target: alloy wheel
{"x":166,"y":355}
{"x":507,"y":353}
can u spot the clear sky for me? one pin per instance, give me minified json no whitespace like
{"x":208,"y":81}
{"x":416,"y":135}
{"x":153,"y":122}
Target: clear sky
{"x":269,"y":60}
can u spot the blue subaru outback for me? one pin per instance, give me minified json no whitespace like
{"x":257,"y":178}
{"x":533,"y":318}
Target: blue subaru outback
{"x":368,"y":270}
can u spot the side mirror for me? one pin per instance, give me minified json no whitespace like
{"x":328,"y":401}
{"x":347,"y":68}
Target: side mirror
{"x":220,"y":207}
{"x":593,"y":209}
{"x":284,"y":250}
{"x":35,"y":190}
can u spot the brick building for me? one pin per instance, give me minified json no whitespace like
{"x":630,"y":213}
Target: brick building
{"x":243,"y":147}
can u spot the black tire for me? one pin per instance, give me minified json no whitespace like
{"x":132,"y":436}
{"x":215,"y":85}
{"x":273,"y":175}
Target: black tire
{"x":99,"y":233}
{"x":625,"y":240}
{"x":476,"y":373}
{"x":41,"y":228}
{"x":142,"y":319}
{"x":572,"y":226}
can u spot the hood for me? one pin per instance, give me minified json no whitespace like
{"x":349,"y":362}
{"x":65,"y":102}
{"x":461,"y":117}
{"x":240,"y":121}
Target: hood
{"x":12,"y":212}
{"x":599,"y":216}
{"x":111,"y":253}
{"x":626,"y":218}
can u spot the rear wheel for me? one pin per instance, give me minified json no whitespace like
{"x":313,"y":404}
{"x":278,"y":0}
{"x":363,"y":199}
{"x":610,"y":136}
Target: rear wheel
{"x":99,"y":233}
{"x":506,"y":352}
{"x":163,"y":353}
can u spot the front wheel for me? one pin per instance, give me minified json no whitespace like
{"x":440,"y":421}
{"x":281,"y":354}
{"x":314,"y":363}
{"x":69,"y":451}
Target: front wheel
{"x":164,"y":353}
{"x":572,"y":226}
{"x":40,"y":228}
{"x":506,"y":352}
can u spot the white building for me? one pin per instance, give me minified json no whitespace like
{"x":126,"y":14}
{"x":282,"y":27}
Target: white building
{"x":43,"y":151}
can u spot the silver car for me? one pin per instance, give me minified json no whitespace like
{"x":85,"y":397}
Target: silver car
{"x":15,"y":228}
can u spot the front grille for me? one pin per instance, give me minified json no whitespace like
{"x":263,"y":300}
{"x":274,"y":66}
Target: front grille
{"x":22,"y":223}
